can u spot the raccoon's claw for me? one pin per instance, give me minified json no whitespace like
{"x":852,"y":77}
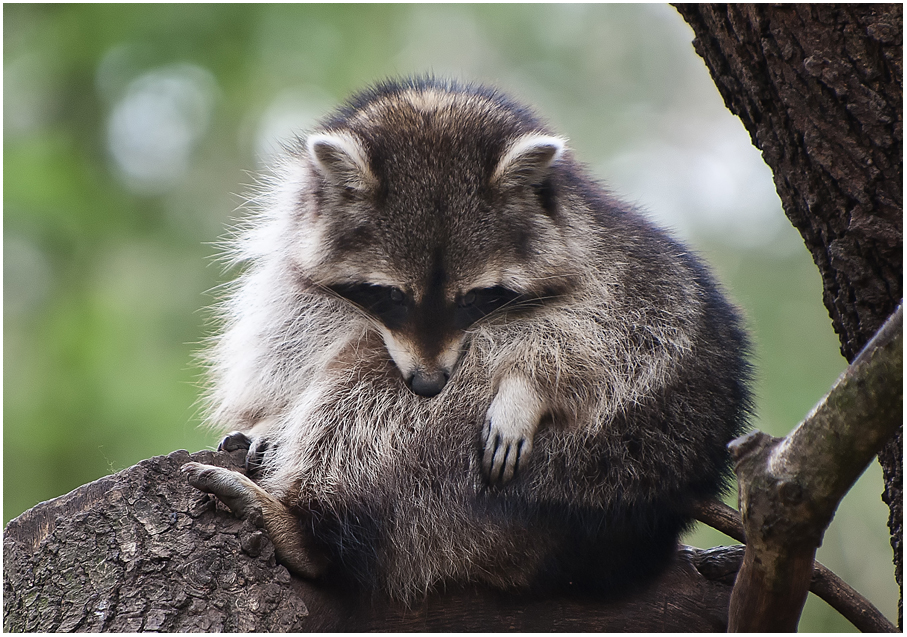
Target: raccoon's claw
{"x":256,"y":455}
{"x":503,"y":453}
{"x":248,"y":500}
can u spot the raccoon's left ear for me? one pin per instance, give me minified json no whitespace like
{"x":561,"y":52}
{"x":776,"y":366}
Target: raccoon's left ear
{"x":527,"y":160}
{"x":341,"y":159}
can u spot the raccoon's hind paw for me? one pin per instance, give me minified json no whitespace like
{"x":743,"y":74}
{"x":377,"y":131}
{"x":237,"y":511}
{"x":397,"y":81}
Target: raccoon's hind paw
{"x":248,"y":500}
{"x":232,"y":488}
{"x":255,"y":449}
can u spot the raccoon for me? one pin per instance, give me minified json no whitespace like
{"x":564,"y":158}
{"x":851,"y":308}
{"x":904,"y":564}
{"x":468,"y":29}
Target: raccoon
{"x":456,"y":359}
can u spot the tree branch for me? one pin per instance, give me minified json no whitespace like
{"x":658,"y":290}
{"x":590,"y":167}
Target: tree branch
{"x":141,"y":550}
{"x":790,"y":487}
{"x":855,"y":608}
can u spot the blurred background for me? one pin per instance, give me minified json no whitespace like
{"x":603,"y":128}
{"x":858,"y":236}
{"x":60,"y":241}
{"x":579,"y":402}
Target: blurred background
{"x":129,"y":129}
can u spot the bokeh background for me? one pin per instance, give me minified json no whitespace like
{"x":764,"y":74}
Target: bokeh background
{"x":129,"y":129}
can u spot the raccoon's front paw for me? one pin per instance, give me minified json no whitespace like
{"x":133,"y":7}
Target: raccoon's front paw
{"x":510,"y":427}
{"x":506,"y":447}
{"x":255,"y":449}
{"x":233,"y":441}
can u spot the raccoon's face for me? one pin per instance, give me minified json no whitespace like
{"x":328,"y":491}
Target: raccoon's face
{"x":424,"y":336}
{"x":430,"y":216}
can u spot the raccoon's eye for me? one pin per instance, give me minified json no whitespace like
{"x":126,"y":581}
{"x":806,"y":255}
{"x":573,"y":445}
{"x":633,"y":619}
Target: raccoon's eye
{"x":479,"y":303}
{"x":388,"y":304}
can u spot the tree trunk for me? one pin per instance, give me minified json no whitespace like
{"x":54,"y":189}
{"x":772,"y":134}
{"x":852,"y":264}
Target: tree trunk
{"x":819,"y":88}
{"x":141,"y":550}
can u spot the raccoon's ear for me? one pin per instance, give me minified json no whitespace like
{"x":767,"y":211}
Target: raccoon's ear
{"x":527,"y":160}
{"x":341,"y":159}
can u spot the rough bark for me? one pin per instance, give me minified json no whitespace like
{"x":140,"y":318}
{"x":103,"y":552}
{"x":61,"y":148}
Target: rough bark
{"x":143,"y":551}
{"x":819,"y":88}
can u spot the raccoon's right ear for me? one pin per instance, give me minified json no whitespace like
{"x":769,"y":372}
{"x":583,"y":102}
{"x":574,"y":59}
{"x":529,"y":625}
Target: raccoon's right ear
{"x":341,"y":159}
{"x":527,"y":160}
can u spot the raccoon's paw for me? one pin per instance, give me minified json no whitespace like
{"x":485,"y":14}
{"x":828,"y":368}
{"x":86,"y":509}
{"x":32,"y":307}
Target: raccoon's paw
{"x":232,"y":488}
{"x":505,"y":449}
{"x":510,"y":427}
{"x":255,"y":449}
{"x":233,"y":441}
{"x":248,"y":500}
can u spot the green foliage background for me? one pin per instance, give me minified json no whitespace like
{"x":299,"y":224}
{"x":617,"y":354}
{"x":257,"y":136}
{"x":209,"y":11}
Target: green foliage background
{"x":106,"y":279}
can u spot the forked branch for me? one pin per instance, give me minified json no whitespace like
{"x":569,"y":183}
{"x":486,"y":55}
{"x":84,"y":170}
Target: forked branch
{"x":837,"y":593}
{"x":790,"y":487}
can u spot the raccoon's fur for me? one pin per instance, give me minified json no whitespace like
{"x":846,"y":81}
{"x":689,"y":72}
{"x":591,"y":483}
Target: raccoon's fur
{"x":462,"y":361}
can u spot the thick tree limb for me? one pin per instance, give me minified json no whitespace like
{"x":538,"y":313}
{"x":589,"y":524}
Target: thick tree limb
{"x":141,"y":550}
{"x":790,"y":487}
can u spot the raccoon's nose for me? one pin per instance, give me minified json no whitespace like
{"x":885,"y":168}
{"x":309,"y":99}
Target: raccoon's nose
{"x":428,"y":384}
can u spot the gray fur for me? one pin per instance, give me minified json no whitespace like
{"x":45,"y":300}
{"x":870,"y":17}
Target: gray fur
{"x":584,"y":416}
